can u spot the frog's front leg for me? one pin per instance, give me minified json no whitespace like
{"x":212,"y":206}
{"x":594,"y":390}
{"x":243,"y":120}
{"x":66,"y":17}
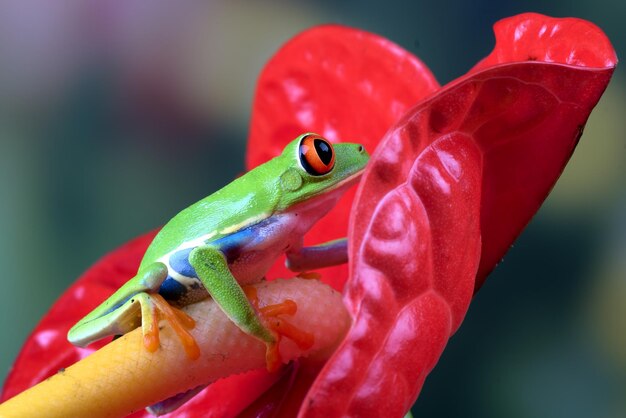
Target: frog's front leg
{"x":330,"y":253}
{"x":212,"y":269}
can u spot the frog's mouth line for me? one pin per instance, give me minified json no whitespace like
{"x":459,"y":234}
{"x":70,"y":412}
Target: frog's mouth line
{"x":332,"y":192}
{"x":348,"y":180}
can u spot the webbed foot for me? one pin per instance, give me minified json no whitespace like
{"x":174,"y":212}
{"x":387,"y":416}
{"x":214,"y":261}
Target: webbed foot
{"x":279,"y":327}
{"x":155,"y":308}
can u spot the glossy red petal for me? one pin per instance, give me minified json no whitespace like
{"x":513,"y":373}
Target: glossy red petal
{"x":524,"y":119}
{"x":535,"y":37}
{"x":345,"y":84}
{"x":413,"y":275}
{"x":544,"y":110}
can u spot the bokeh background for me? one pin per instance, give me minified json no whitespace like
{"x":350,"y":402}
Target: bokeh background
{"x":116,"y":114}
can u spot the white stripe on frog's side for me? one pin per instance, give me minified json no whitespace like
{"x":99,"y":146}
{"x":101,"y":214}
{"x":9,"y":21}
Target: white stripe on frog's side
{"x":204,"y":239}
{"x":184,"y":280}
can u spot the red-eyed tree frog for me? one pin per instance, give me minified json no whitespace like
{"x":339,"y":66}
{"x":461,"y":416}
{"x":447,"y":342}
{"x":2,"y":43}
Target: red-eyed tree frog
{"x":230,"y":239}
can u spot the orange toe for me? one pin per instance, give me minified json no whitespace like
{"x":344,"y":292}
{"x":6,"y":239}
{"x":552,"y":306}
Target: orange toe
{"x":179,"y":321}
{"x":304,"y":340}
{"x":273,"y":359}
{"x":287,"y":307}
{"x":151,"y":335}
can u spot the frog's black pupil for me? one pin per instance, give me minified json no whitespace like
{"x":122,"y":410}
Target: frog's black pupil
{"x":323,"y":151}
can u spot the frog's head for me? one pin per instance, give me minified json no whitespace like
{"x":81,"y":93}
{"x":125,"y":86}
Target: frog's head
{"x":315,"y":169}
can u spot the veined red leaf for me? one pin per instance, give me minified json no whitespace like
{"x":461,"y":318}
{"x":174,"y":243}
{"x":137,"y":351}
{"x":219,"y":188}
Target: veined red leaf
{"x":344,"y":84}
{"x":413,"y":279}
{"x":522,"y":110}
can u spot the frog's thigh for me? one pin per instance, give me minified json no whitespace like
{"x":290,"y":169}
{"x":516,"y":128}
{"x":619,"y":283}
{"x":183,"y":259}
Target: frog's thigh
{"x":119,"y":313}
{"x":212,"y":270}
{"x":327,"y":254}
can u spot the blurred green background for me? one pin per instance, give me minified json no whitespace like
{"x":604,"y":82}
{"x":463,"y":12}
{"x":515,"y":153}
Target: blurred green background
{"x":114,"y":115}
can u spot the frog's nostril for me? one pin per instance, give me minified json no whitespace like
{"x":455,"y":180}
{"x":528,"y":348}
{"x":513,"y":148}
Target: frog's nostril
{"x":360,"y":149}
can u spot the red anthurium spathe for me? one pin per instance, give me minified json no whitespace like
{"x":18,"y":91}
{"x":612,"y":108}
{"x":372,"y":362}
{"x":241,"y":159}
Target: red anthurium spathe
{"x":452,"y":183}
{"x":413,"y":278}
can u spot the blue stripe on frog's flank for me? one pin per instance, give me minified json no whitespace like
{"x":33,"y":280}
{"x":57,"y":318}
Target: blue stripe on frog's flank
{"x":179,"y":261}
{"x":233,"y":245}
{"x":171,"y":289}
{"x":230,"y":245}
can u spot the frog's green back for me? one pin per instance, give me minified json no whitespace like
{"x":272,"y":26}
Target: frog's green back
{"x":247,"y":200}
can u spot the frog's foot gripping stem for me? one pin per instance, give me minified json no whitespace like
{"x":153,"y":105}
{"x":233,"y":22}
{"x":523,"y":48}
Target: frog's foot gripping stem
{"x":279,"y":327}
{"x":154,"y":308}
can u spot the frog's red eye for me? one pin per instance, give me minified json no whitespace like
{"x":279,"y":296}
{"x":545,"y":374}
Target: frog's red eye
{"x":317,"y":155}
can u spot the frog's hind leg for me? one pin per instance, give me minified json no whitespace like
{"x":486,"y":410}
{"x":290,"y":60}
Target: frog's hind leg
{"x":135,"y":304}
{"x":120,"y":312}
